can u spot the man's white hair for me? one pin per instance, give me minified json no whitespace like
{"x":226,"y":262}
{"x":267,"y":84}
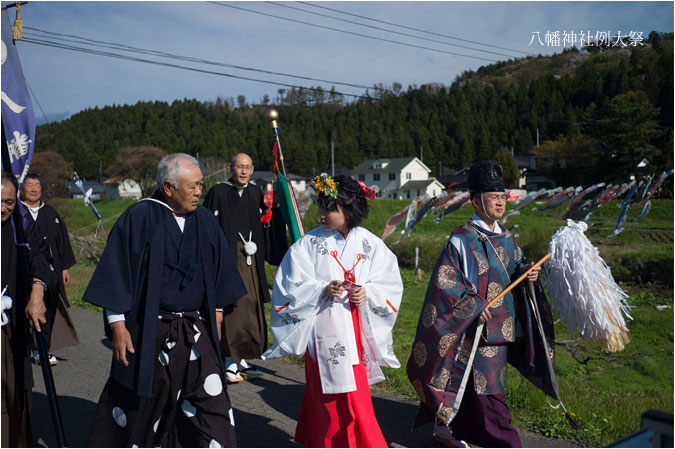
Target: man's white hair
{"x":169,"y":168}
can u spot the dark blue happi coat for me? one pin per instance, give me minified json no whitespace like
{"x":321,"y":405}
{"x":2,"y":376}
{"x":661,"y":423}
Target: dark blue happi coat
{"x":449,"y":318}
{"x":128,"y":280}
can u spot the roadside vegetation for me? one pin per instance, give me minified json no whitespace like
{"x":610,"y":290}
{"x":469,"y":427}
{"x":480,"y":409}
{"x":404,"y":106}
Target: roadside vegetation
{"x":606,"y":393}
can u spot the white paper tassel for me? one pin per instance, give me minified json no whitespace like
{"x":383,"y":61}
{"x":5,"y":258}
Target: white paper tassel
{"x":583,"y":291}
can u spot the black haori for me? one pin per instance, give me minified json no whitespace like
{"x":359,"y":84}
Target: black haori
{"x":189,"y":405}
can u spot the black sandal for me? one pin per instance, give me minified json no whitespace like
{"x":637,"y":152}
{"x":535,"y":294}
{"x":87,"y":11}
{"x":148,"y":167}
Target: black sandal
{"x":246,"y":374}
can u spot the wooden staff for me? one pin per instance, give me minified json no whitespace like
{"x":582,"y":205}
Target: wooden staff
{"x":518,"y":281}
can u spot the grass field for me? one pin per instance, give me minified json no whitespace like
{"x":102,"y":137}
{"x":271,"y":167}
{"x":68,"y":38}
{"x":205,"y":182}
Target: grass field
{"x":607,"y":393}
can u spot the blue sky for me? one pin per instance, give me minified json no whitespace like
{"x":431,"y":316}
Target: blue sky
{"x":67,"y":81}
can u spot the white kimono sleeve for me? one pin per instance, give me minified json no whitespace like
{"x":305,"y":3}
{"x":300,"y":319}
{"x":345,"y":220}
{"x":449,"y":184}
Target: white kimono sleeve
{"x":295,"y":301}
{"x":384,"y":290}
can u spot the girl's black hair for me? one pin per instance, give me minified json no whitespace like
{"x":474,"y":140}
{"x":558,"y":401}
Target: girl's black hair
{"x":350,"y":198}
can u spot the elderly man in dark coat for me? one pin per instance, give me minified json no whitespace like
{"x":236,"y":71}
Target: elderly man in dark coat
{"x":163,"y":280}
{"x":19,"y":309}
{"x":59,"y":331}
{"x":256,"y":233}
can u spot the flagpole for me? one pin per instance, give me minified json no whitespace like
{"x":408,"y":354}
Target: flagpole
{"x":272,"y":116}
{"x":288,"y":204}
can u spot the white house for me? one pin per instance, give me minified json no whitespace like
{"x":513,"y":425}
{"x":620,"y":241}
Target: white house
{"x":398,"y":178}
{"x":125,"y":189}
{"x":263,"y":179}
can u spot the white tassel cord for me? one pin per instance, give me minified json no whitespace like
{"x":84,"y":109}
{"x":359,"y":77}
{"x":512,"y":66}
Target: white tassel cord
{"x":583,"y":290}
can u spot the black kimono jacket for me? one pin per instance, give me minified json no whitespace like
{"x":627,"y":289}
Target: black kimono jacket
{"x":128,"y":280}
{"x":222,"y":199}
{"x":52,"y":227}
{"x":14,"y":280}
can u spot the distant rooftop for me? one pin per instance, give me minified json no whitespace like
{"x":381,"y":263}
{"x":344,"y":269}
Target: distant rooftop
{"x":390,"y":165}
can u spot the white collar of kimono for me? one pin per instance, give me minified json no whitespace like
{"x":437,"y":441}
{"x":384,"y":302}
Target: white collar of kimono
{"x":34,"y":209}
{"x":179,"y":220}
{"x":158,"y":202}
{"x":341,"y":241}
{"x":481,"y":224}
{"x":239,"y":186}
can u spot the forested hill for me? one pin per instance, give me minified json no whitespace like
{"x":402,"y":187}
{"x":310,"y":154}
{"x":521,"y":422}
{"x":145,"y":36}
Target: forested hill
{"x":615,"y":106}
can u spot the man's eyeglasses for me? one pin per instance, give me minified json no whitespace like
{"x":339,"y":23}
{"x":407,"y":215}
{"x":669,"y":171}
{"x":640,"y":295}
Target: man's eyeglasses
{"x":243,"y":167}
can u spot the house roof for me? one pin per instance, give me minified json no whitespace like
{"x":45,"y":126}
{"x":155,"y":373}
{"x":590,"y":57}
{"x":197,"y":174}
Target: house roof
{"x":394,"y":165}
{"x":96,"y":187}
{"x":267,"y":176}
{"x":455,"y":181}
{"x":343,"y":171}
{"x":414,"y":185}
{"x":523,"y":161}
{"x":114,"y":180}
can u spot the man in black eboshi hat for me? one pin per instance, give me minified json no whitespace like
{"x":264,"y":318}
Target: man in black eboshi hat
{"x":458,"y":360}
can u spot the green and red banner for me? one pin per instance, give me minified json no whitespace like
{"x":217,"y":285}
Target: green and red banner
{"x":289,"y":207}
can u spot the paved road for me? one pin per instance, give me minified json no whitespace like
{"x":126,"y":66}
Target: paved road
{"x":266,"y":409}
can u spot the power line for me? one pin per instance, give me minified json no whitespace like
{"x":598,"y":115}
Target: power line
{"x":416,"y":29}
{"x":284,"y":5}
{"x":36,"y":100}
{"x":354,"y":33}
{"x":176,"y":66}
{"x":112,"y":45}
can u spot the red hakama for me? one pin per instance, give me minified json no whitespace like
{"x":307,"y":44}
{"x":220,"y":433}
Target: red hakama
{"x":338,"y":420}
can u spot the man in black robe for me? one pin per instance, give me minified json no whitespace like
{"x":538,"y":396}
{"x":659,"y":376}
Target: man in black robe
{"x":163,"y":280}
{"x":19,"y":309}
{"x":256,"y":233}
{"x":59,"y":331}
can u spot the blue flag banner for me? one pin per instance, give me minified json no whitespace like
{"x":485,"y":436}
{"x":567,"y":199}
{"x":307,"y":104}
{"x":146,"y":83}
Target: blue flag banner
{"x":18,"y":120}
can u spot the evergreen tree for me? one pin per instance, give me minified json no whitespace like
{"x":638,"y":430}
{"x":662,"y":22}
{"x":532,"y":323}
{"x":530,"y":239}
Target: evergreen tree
{"x":508,"y":163}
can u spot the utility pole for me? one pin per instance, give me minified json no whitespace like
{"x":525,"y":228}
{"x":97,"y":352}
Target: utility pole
{"x":421,"y":153}
{"x":332,"y":159}
{"x":333,"y":138}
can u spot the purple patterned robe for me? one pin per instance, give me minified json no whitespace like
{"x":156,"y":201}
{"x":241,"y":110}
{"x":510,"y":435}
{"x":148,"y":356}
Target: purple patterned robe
{"x":448,"y":322}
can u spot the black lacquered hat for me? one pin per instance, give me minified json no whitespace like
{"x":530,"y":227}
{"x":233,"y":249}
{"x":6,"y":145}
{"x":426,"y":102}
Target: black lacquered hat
{"x":486,"y":176}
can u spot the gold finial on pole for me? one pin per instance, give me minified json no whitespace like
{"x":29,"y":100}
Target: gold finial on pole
{"x":272,"y":116}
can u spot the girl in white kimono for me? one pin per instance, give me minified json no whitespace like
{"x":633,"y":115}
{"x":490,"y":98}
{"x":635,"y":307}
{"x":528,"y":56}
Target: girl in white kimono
{"x":335,"y":299}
